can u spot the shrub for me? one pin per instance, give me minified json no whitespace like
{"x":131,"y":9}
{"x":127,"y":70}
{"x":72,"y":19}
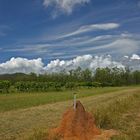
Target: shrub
{"x":5,"y":86}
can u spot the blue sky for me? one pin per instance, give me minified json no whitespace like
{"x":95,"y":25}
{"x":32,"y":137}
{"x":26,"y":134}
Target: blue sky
{"x":51,"y":29}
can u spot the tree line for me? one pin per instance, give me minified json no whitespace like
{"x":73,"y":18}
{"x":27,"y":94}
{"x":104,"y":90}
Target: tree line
{"x":77,"y":78}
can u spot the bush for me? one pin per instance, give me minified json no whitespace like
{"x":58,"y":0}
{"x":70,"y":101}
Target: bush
{"x":5,"y":86}
{"x":96,"y":84}
{"x":70,"y":85}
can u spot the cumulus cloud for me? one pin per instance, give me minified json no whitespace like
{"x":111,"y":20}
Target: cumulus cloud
{"x":135,"y":57}
{"x":85,"y":61}
{"x":65,"y":6}
{"x":22,"y":65}
{"x":133,"y":62}
{"x":126,"y":56}
{"x":92,"y":27}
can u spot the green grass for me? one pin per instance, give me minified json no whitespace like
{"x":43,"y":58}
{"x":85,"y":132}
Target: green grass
{"x":24,"y":100}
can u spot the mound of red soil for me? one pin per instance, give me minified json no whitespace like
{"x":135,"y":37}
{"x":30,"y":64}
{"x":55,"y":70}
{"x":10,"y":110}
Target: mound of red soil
{"x":77,"y":125}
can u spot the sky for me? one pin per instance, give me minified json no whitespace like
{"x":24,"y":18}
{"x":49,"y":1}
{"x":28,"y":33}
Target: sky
{"x":51,"y":33}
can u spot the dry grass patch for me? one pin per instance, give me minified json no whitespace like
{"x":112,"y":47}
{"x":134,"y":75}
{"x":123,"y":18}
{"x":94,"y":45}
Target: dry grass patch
{"x":31,"y":123}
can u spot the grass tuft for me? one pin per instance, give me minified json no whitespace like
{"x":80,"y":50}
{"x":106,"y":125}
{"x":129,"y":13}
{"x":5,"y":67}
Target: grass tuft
{"x":120,"y":114}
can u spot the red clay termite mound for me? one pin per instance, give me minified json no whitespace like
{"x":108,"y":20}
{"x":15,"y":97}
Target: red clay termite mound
{"x":77,"y":125}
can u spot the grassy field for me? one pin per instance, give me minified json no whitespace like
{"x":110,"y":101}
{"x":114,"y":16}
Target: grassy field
{"x":24,"y":100}
{"x":28,"y":116}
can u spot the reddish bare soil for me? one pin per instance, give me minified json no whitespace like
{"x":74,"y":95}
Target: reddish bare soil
{"x":79,"y":125}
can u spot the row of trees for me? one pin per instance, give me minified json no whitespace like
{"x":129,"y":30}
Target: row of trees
{"x":42,"y":86}
{"x":74,"y":79}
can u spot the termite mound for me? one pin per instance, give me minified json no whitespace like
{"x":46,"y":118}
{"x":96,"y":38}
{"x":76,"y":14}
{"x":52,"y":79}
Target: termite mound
{"x":78,"y":124}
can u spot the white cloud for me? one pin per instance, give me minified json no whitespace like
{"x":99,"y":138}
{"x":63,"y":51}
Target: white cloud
{"x":65,"y":6}
{"x":133,"y":62}
{"x":85,"y":61}
{"x":126,"y":56}
{"x":92,"y":27}
{"x":135,"y":57}
{"x":23,"y":65}
{"x":91,"y":40}
{"x":121,"y":46}
{"x":37,"y":48}
{"x":125,"y":45}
